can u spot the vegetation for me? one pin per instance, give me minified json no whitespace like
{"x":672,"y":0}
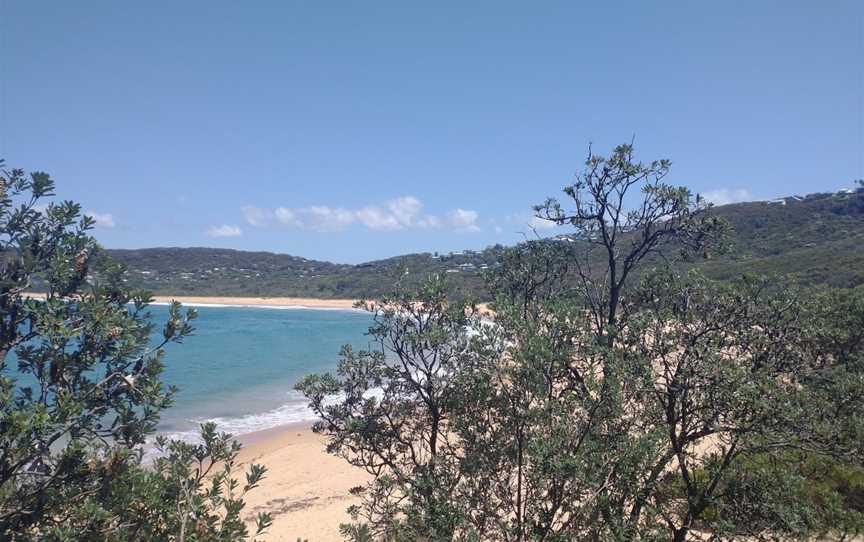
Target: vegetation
{"x":618,"y":392}
{"x":80,"y":392}
{"x":630,"y":404}
{"x":209,"y":271}
{"x":617,"y":240}
{"x":816,"y":240}
{"x":398,"y":400}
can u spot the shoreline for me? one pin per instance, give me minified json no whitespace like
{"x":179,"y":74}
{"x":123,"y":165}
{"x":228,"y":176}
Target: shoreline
{"x":222,"y":301}
{"x":263,"y":302}
{"x":263,"y":436}
{"x":282,"y":302}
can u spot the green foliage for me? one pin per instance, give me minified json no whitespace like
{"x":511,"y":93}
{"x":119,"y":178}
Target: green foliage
{"x":80,"y":392}
{"x":615,"y":240}
{"x":745,"y":376}
{"x":606,"y":408}
{"x":191,"y":492}
{"x":212,"y":271}
{"x":817,"y":240}
{"x":393,"y":415}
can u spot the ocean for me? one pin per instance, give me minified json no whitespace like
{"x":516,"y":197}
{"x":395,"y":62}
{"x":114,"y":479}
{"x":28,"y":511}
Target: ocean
{"x":239,"y":368}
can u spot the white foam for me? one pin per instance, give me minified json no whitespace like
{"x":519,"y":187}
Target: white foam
{"x":291,"y":412}
{"x":294,"y":411}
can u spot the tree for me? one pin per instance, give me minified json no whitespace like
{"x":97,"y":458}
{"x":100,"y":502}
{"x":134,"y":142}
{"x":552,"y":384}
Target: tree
{"x":522,"y":456}
{"x":617,"y":234}
{"x":733,"y":409}
{"x":745,"y":385}
{"x":530,"y":274}
{"x":80,"y":387}
{"x":388,"y":410}
{"x":666,"y":408}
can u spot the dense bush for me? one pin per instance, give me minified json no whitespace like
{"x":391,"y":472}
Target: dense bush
{"x":80,"y":392}
{"x":607,"y":408}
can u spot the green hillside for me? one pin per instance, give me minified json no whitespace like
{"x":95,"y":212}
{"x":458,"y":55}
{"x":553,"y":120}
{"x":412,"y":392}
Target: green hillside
{"x":817,"y":239}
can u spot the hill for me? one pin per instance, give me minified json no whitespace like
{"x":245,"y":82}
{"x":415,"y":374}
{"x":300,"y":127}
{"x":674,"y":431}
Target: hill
{"x":818,"y":239}
{"x":224,"y":272}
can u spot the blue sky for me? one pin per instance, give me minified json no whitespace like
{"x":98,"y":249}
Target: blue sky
{"x":359,"y":130}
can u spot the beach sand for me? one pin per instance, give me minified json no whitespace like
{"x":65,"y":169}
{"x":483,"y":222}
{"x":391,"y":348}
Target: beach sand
{"x":265,"y":301}
{"x":312,"y":303}
{"x":306,"y":489}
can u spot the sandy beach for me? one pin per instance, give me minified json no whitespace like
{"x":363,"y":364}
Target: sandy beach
{"x":300,"y":302}
{"x":312,"y":303}
{"x":260,"y":301}
{"x":306,"y":490}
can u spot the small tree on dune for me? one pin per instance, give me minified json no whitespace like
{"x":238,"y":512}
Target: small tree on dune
{"x":394,"y":413}
{"x":616,"y":233}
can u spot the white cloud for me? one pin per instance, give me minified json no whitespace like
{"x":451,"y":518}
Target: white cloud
{"x":538,"y":223}
{"x":464,"y":220}
{"x":525,"y":220}
{"x":430,"y":221}
{"x":101,"y":220}
{"x":724,"y":196}
{"x":400,"y":213}
{"x":376,"y":218}
{"x":321,"y":218}
{"x":397,"y":214}
{"x":285,"y":216}
{"x":225,"y":230}
{"x":315,"y":218}
{"x":255,"y":216}
{"x":405,"y":209}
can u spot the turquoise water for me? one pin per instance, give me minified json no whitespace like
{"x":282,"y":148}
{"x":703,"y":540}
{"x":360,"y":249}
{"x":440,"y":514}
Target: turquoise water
{"x":240,"y":366}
